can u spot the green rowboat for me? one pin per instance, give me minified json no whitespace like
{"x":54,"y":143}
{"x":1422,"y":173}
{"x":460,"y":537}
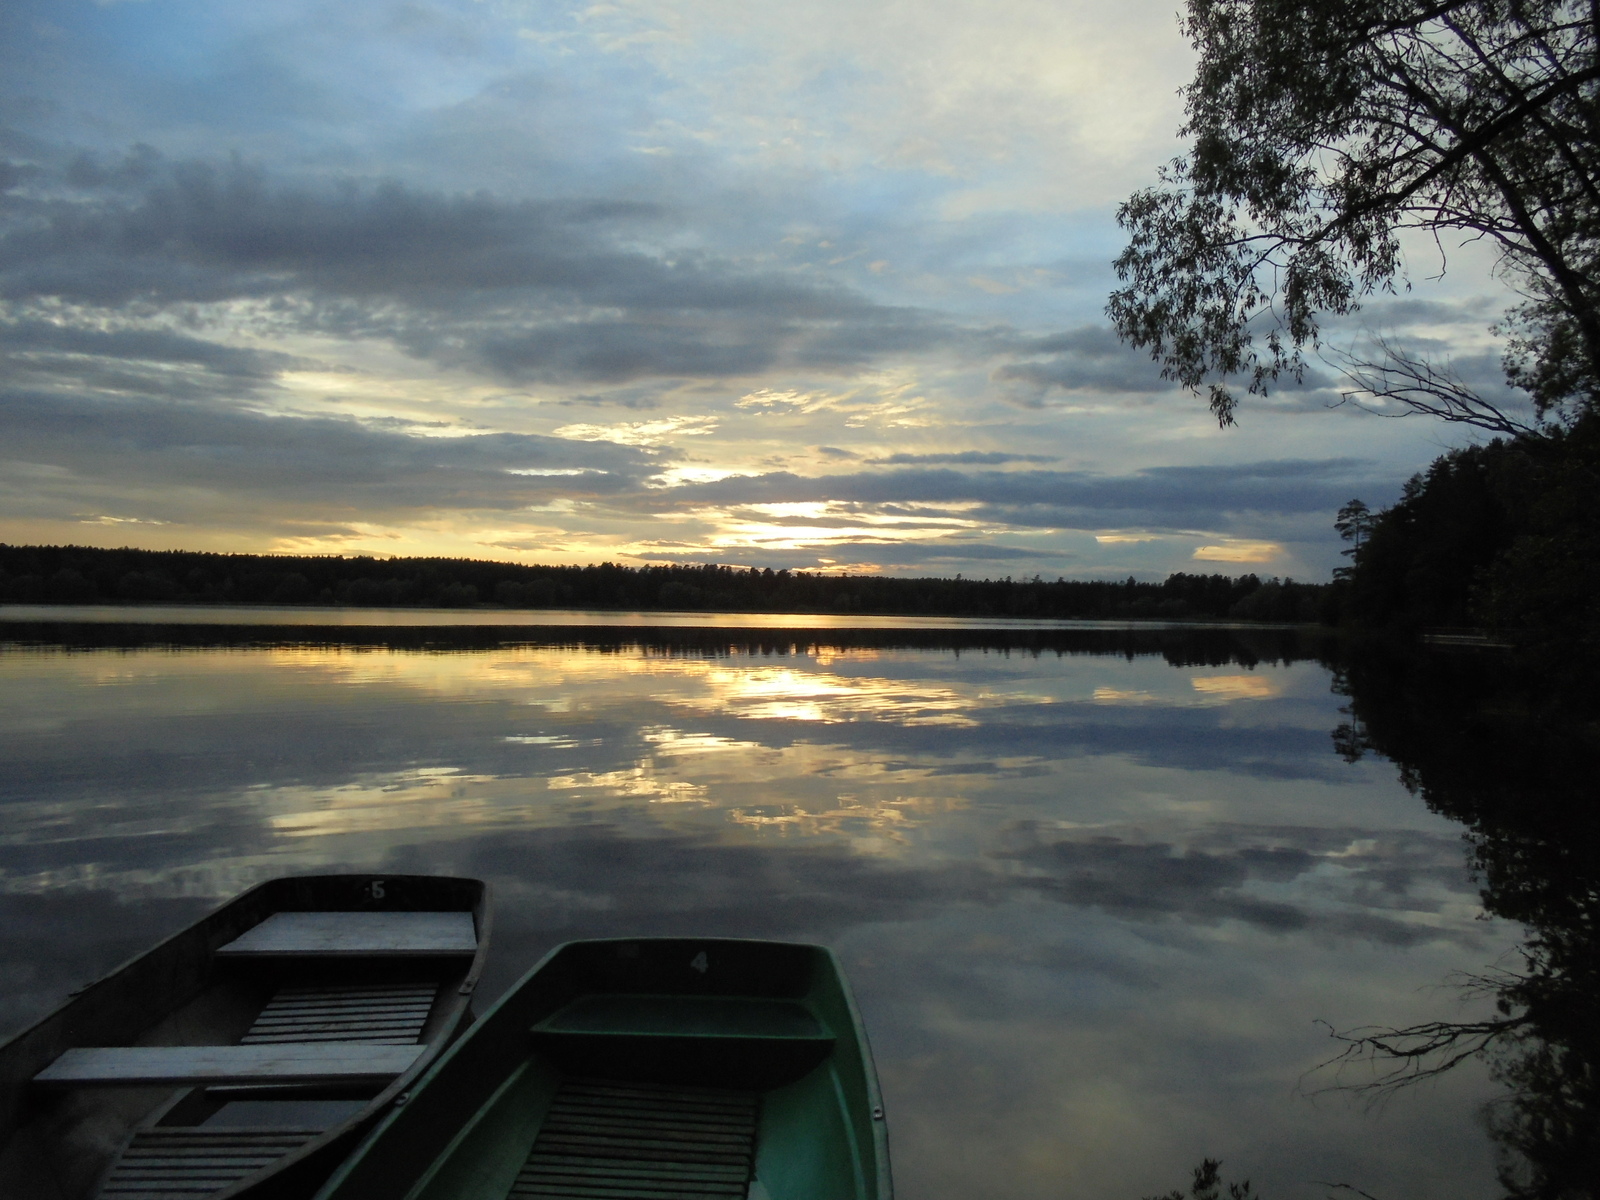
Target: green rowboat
{"x":645,"y":1069}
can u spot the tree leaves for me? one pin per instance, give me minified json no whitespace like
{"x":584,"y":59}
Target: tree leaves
{"x":1321,"y":132}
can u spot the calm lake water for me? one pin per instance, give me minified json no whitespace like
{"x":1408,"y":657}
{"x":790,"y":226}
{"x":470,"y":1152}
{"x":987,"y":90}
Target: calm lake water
{"x":1095,"y":893}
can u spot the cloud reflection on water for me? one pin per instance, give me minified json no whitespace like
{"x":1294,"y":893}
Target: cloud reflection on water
{"x":1089,"y":937}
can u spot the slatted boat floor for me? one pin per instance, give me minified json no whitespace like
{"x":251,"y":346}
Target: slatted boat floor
{"x":182,"y":1163}
{"x":390,"y":1013}
{"x":603,"y":1140}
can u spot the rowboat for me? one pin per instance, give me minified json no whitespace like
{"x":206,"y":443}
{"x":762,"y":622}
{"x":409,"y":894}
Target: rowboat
{"x":645,"y":1068}
{"x":247,"y":1055}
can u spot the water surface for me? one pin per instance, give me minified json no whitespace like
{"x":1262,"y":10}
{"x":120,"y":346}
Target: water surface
{"x":1093,"y":896}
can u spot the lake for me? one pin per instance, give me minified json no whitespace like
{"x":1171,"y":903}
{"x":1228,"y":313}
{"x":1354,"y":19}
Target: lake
{"x":1101,"y":892}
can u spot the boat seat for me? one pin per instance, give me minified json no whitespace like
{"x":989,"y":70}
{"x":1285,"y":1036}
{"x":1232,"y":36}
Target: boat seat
{"x":356,"y":935}
{"x":602,"y":1140}
{"x":688,"y":1016}
{"x":161,"y":1163}
{"x":175,"y":1066}
{"x":719,"y":1041}
{"x":392,"y":1013}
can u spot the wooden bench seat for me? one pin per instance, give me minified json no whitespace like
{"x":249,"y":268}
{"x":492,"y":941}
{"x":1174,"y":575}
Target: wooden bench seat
{"x":688,"y":1016}
{"x":745,"y":1042}
{"x":357,"y":935}
{"x":176,"y":1066}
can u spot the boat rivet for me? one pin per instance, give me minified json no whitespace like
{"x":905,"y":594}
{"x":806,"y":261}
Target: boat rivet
{"x":877,"y":1114}
{"x":401,"y":1099}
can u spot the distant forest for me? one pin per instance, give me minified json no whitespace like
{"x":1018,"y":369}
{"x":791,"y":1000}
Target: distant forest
{"x":84,"y":575}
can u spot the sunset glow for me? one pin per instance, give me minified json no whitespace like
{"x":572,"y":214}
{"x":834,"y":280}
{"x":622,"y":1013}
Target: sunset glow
{"x":792,"y":286}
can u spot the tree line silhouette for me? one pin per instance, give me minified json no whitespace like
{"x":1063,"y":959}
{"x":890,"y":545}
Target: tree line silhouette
{"x":86,"y":575}
{"x":1503,"y":536}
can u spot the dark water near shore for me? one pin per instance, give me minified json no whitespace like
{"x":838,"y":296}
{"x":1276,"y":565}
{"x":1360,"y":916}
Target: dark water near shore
{"x":1094,"y":890}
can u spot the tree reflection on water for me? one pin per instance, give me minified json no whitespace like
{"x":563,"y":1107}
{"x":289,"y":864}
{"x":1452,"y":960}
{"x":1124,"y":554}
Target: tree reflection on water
{"x":1492,"y":748}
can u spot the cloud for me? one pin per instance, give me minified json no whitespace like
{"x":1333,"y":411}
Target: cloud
{"x":640,"y":433}
{"x":160,"y":346}
{"x":1090,"y":358}
{"x":185,"y":461}
{"x":612,"y":400}
{"x":1183,"y":497}
{"x":586,"y":291}
{"x":935,"y":555}
{"x":1092,"y":361}
{"x":964,"y":458}
{"x":1382,"y":879}
{"x":134,"y":359}
{"x":1239,"y":551}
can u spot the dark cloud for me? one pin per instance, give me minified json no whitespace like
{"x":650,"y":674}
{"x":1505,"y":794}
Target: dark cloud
{"x":1182,"y":497}
{"x":1404,"y":312}
{"x":616,"y":351}
{"x":158,"y":346}
{"x":14,"y":174}
{"x":1142,"y":879}
{"x":154,"y":362}
{"x":554,"y":291}
{"x":612,"y":400}
{"x":202,"y":232}
{"x":306,"y":467}
{"x":1191,"y":739}
{"x":964,"y":458}
{"x":1149,"y":879}
{"x":555,"y":885}
{"x":934,"y":556}
{"x":1090,"y":358}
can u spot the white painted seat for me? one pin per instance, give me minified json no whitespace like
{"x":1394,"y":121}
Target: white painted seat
{"x":357,"y":934}
{"x":176,"y":1066}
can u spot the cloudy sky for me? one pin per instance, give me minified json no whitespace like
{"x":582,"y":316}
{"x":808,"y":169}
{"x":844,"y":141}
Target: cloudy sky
{"x":818,"y":284}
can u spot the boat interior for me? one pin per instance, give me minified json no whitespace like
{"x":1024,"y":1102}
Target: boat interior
{"x":660,"y":1069}
{"x":206,"y":1137}
{"x":282,"y":1036}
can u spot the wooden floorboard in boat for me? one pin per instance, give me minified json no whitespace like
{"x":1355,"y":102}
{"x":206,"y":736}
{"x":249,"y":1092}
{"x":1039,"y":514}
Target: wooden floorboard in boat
{"x":607,"y":1141}
{"x":389,"y":1013}
{"x":181,"y":1163}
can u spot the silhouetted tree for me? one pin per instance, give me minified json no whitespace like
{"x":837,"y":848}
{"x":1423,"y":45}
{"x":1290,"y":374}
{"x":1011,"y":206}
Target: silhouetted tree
{"x":1354,"y":522}
{"x":1208,"y":1185}
{"x":1323,"y":130}
{"x":1423,"y":557}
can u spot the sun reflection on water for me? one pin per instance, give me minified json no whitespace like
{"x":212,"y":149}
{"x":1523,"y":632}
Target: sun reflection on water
{"x":789,"y":694}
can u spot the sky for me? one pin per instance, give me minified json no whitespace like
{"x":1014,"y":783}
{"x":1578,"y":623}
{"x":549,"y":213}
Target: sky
{"x":817,"y":286}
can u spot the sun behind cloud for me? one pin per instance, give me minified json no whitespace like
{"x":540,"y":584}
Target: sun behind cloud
{"x":1233,"y":550}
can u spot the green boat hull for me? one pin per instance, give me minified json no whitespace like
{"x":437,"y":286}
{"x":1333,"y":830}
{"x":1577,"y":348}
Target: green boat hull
{"x":645,"y":1069}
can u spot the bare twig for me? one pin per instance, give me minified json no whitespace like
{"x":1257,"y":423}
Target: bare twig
{"x":1344,"y":1187}
{"x":1421,"y":386}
